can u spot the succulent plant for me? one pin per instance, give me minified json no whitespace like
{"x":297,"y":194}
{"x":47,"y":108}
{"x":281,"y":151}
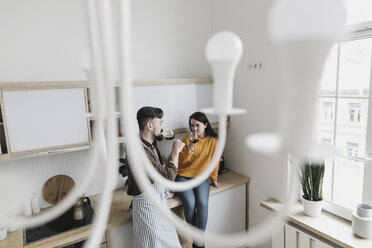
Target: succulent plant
{"x":311,"y":177}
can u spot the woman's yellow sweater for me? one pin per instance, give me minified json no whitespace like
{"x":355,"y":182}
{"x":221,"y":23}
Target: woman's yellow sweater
{"x":192,"y":164}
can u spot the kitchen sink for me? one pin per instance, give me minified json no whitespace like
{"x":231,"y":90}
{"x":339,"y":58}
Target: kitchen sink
{"x":59,"y":225}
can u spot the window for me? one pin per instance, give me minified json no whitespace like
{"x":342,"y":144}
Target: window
{"x":354,"y":112}
{"x":326,"y":141}
{"x":352,"y":149}
{"x":358,"y":11}
{"x":328,"y":110}
{"x":344,"y":101}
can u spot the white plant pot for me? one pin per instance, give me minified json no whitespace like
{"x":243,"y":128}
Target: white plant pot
{"x":312,"y":208}
{"x":362,"y":221}
{"x":362,"y":226}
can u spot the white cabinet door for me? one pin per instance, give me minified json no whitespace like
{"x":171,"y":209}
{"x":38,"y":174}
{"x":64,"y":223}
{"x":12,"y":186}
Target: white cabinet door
{"x":290,"y":236}
{"x":46,"y":118}
{"x":320,"y":244}
{"x":121,"y":237}
{"x":278,"y":237}
{"x":305,"y":240}
{"x":226,"y":212}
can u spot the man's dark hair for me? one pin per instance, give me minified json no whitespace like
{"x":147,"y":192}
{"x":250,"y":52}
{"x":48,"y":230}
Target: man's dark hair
{"x":147,"y":114}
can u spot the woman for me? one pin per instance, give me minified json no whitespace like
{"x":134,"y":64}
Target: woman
{"x":193,"y":160}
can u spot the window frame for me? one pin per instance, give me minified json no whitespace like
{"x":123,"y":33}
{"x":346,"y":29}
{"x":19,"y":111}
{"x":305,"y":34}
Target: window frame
{"x":356,"y":32}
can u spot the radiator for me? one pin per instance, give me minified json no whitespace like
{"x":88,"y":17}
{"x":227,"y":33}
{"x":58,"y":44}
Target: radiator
{"x":288,"y":236}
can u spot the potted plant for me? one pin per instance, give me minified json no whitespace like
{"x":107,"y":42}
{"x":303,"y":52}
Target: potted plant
{"x":311,"y":174}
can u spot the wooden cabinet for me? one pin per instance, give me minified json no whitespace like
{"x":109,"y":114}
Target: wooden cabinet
{"x":4,"y":143}
{"x":42,"y":118}
{"x":47,"y":125}
{"x":117,"y":115}
{"x":178,"y":98}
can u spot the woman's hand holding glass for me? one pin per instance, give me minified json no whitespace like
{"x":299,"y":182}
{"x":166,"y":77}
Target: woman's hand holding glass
{"x":193,"y":140}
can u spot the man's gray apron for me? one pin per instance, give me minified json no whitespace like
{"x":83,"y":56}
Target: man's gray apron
{"x":150,"y":229}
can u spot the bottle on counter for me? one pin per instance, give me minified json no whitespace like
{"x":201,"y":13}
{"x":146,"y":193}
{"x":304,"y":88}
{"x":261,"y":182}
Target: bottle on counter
{"x":35,"y":204}
{"x":27,"y":207}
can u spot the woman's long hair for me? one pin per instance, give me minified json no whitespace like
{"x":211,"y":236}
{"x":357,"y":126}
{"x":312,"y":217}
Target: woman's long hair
{"x":199,"y":116}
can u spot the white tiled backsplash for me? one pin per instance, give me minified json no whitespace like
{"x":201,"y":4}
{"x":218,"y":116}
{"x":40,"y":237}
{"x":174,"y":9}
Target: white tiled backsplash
{"x":31,"y":173}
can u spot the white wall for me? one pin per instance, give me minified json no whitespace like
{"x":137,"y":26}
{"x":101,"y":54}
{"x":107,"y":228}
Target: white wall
{"x":41,"y":40}
{"x":44,"y":40}
{"x":254,"y":91}
{"x":169,"y":38}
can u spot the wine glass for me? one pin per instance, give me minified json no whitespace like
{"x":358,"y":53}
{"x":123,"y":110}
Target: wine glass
{"x":168,"y":134}
{"x":193,"y":137}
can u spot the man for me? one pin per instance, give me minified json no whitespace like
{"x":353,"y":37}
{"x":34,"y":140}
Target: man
{"x":149,"y":228}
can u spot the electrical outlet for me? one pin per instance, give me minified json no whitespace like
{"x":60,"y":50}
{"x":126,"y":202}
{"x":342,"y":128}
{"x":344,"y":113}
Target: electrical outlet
{"x":255,"y":66}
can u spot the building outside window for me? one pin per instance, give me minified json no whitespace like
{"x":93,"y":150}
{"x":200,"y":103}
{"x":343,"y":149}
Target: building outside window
{"x":354,"y":111}
{"x":345,"y":107}
{"x":326,"y":141}
{"x":352,"y":149}
{"x":328,"y":110}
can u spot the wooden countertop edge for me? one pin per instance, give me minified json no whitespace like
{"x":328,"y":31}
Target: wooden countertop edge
{"x":63,"y":239}
{"x":227,"y":181}
{"x":119,"y":215}
{"x":327,"y":226}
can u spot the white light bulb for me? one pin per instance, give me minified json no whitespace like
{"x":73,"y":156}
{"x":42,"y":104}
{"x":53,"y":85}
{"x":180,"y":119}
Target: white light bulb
{"x":224,"y":51}
{"x":224,"y":46}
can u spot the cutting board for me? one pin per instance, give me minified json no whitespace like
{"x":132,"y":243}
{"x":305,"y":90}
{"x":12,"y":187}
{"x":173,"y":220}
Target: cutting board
{"x":56,"y":188}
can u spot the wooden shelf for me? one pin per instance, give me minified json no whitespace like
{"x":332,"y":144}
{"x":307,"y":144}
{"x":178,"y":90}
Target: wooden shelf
{"x":79,"y":84}
{"x":4,"y":157}
{"x":50,"y":151}
{"x":91,"y":116}
{"x":173,"y":81}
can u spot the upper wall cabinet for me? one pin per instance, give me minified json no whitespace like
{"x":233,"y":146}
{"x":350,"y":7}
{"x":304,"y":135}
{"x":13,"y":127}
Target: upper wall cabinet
{"x":4,"y":144}
{"x":42,"y":118}
{"x":52,"y":117}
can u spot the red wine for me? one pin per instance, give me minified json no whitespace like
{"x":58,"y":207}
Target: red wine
{"x":168,"y":134}
{"x":194,"y":141}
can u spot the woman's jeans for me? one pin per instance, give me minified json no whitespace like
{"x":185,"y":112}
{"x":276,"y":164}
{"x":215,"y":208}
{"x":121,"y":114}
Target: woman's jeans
{"x":195,"y":203}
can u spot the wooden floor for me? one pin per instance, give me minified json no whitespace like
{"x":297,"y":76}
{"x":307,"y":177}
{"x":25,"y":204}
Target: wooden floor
{"x":187,"y":245}
{"x":184,"y":242}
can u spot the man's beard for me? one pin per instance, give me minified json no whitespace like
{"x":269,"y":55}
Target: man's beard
{"x":159,"y":137}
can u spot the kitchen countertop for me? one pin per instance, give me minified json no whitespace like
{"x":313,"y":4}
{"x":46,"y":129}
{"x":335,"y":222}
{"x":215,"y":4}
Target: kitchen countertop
{"x":119,"y":215}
